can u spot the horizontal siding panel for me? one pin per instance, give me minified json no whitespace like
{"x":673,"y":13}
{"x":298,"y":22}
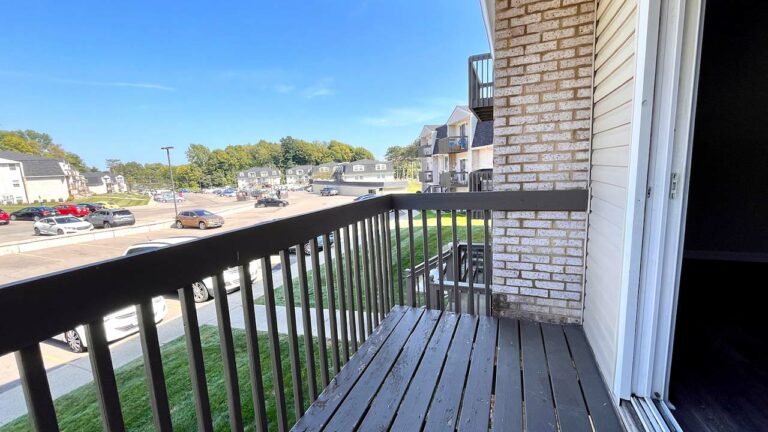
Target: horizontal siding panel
{"x":605,"y":47}
{"x":616,"y":176}
{"x":612,"y":194}
{"x":612,"y":233}
{"x":617,"y":137}
{"x":615,"y":99}
{"x":606,"y":11}
{"x":611,"y":212}
{"x":624,"y":73}
{"x":612,"y":156}
{"x":612,"y":62}
{"x":613,"y":119}
{"x":607,"y":27}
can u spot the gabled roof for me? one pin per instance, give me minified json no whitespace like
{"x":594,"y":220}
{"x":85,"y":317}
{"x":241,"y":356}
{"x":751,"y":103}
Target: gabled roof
{"x":442,"y":132}
{"x":260,"y":169}
{"x":428,"y":129}
{"x":483,"y":134}
{"x":34,"y":165}
{"x":307,"y":169}
{"x":459,"y":113}
{"x":369,"y":165}
{"x":95,"y":178}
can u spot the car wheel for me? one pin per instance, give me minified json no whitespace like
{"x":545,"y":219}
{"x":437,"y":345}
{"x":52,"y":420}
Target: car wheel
{"x":282,"y":204}
{"x":37,"y":231}
{"x":201,"y":225}
{"x":200,"y":292}
{"x":13,"y":217}
{"x":307,"y":249}
{"x":74,"y":341}
{"x":60,"y":232}
{"x":107,"y":225}
{"x":179,"y":225}
{"x":37,"y":218}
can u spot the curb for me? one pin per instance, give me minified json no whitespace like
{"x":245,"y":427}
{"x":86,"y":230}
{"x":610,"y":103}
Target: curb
{"x":97,"y":234}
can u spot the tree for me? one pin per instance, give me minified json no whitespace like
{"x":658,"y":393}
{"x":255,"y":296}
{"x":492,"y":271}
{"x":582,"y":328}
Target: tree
{"x":198,"y":155}
{"x":14,"y":142}
{"x":405,"y":160}
{"x":360,"y":153}
{"x":340,"y":152}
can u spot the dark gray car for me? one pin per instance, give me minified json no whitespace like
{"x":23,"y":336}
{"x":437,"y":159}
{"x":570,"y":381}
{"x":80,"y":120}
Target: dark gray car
{"x":108,"y":218}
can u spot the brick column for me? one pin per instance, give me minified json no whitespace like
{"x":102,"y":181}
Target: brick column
{"x":542,"y":109}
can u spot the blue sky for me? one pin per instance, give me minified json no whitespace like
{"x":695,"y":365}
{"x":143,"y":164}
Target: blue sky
{"x":121,"y":79}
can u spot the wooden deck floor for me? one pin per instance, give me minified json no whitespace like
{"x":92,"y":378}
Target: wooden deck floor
{"x":431,"y":370}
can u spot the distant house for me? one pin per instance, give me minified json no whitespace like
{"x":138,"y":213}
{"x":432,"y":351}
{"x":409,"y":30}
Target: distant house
{"x":325,"y":171}
{"x":12,"y":189}
{"x":367,"y":170}
{"x":44,"y":179}
{"x":299,"y":174}
{"x":257,"y":177}
{"x":99,"y":182}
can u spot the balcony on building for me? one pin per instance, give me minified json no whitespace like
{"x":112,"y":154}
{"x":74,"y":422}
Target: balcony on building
{"x":452,"y":144}
{"x":425,"y":176}
{"x":454,"y":178}
{"x":425,"y":151}
{"x":408,"y":338}
{"x":481,"y":86}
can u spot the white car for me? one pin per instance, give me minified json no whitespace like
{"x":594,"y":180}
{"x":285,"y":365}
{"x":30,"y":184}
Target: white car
{"x":59,"y":225}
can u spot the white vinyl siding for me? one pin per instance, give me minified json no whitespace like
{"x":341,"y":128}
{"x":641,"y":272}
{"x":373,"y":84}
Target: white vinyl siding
{"x":612,"y":131}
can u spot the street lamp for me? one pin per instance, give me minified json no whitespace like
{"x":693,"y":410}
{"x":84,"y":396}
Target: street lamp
{"x":173,"y":185}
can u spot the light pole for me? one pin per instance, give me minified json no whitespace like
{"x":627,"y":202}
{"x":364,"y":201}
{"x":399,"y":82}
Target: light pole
{"x":173,"y":185}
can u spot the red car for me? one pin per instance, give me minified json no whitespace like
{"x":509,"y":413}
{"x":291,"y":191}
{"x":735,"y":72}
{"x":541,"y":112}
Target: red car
{"x":72,"y":210}
{"x":4,"y":218}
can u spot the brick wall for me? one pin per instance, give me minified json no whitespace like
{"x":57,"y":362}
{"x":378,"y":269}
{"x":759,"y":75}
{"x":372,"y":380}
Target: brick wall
{"x":542,"y":109}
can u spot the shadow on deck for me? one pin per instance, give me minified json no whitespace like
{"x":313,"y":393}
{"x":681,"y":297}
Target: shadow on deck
{"x":424,"y":369}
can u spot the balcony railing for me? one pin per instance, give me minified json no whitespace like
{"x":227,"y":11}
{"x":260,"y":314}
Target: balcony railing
{"x":376,"y":245}
{"x":454,"y":178}
{"x":452,"y":144}
{"x":425,"y":176}
{"x":425,"y":151}
{"x":481,"y":86}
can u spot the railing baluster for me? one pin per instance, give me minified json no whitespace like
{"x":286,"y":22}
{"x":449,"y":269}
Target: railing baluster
{"x":399,"y":257}
{"x":388,"y":247}
{"x":487,"y":265}
{"x":359,"y":286}
{"x":367,"y":277}
{"x":470,"y":265}
{"x":456,"y":270}
{"x":227,"y":346}
{"x":351,"y":285}
{"x":425,"y":246}
{"x":293,"y":338}
{"x":153,"y":364}
{"x":104,"y":377}
{"x":342,"y":298}
{"x":382,"y":234}
{"x":379,"y":268}
{"x":440,"y":276}
{"x":252,"y":344}
{"x":195,"y":358}
{"x":319,"y":313}
{"x":37,"y":393}
{"x":331,"y":303}
{"x":412,"y":254}
{"x":309,"y":351}
{"x":274,"y":343}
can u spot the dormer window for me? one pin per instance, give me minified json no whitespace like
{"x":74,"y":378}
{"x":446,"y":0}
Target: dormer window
{"x":358,"y":168}
{"x":299,"y":172}
{"x":323,"y":169}
{"x":381,"y":167}
{"x":251,"y":174}
{"x":264,"y":173}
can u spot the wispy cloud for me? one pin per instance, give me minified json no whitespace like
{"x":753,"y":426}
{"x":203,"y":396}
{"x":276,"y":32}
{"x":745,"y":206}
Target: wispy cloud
{"x":324,"y":87}
{"x":142,"y":85}
{"x":405,"y":116}
{"x":284,"y":88}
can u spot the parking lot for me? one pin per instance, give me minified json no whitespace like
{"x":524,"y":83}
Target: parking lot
{"x":25,"y":265}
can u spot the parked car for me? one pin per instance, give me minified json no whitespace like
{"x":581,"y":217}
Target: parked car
{"x":271,"y":202}
{"x":76,"y":210}
{"x":106,"y":205}
{"x":92,"y":207}
{"x":365,"y":197}
{"x":202,"y":291}
{"x":199,"y":218}
{"x":60,"y":225}
{"x":307,"y":249}
{"x":32,"y":213}
{"x":229,"y":193}
{"x":329,"y":191}
{"x":108,"y":218}
{"x":117,"y":325}
{"x":5,"y":219}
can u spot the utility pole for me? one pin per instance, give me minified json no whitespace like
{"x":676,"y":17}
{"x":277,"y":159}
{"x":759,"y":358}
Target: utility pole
{"x":173,"y":185}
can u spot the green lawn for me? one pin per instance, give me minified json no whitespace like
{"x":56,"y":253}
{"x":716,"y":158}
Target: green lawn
{"x":78,"y":411}
{"x":418,"y":243}
{"x":118,"y":199}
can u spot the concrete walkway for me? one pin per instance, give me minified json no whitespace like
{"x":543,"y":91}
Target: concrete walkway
{"x":70,"y":376}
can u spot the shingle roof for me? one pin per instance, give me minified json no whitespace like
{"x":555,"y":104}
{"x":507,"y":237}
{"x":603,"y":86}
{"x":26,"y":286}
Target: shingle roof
{"x":483,"y":134}
{"x":35,"y":166}
{"x":442,"y":132}
{"x":94,"y":178}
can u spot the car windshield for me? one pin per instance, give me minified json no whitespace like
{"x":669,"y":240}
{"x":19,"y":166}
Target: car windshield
{"x":66,"y":220}
{"x":203,"y":213}
{"x":140,"y":249}
{"x":122,"y":213}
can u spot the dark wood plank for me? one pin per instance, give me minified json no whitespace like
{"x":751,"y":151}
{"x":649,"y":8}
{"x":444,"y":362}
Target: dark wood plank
{"x":322,"y":342}
{"x":274,"y":344}
{"x":293,"y":338}
{"x":571,"y":410}
{"x":384,"y":406}
{"x":195,"y":357}
{"x":330,"y":399}
{"x":309,"y":350}
{"x":413,"y":409}
{"x":599,"y":404}
{"x":227,"y":345}
{"x":153,"y":365}
{"x":476,"y":406}
{"x":359,"y":398}
{"x":444,"y":411}
{"x":104,"y":377}
{"x":37,"y":393}
{"x":539,"y":407}
{"x":508,"y":408}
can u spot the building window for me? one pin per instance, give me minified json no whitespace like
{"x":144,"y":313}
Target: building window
{"x":274,"y":173}
{"x":264,"y":173}
{"x":299,"y":172}
{"x":323,"y":169}
{"x":251,"y":174}
{"x":12,"y":167}
{"x":358,"y":177}
{"x":381,"y":167}
{"x":16,"y":183}
{"x":358,"y":168}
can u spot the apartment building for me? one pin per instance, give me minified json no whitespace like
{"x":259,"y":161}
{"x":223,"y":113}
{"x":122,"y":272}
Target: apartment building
{"x":12,"y":189}
{"x":44,"y":179}
{"x":298,"y":175}
{"x":258,"y":177}
{"x":367,"y":170}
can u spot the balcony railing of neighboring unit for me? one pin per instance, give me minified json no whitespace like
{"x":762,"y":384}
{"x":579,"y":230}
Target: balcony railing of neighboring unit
{"x":366,"y":269}
{"x":425,"y":151}
{"x":425,"y":176}
{"x":452,"y":144}
{"x":481,"y":86}
{"x":454,"y":178}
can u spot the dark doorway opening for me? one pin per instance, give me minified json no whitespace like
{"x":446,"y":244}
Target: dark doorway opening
{"x":719,"y":379}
